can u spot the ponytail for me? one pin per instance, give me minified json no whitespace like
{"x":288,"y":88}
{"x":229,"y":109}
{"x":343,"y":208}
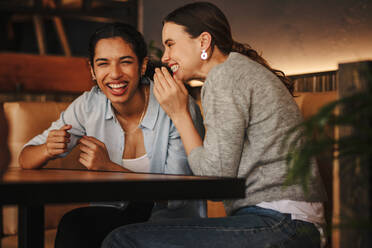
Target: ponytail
{"x":246,"y":50}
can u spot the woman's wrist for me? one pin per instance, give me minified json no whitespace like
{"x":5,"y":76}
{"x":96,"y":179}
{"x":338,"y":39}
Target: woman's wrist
{"x":47,"y":155}
{"x":181,"y":117}
{"x":189,"y":135}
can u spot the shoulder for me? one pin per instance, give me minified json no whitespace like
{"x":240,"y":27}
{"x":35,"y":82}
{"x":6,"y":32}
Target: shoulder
{"x":238,"y":66}
{"x":241,"y":74}
{"x":234,"y":71}
{"x":235,"y":63}
{"x":228,"y":79}
{"x":90,"y":100}
{"x":95,"y":94}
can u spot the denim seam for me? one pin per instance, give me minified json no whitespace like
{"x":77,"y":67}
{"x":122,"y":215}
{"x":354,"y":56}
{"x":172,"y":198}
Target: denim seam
{"x":217,"y":228}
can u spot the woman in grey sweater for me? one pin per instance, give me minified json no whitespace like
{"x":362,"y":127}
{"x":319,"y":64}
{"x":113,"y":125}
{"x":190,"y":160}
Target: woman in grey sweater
{"x":248,"y":108}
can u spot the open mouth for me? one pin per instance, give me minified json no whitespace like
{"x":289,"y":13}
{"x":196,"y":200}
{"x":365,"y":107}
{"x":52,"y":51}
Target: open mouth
{"x":174,"y":68}
{"x":117,"y":88}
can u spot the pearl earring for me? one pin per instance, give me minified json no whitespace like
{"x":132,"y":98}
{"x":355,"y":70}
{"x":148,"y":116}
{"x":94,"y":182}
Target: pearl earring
{"x":204,"y":55}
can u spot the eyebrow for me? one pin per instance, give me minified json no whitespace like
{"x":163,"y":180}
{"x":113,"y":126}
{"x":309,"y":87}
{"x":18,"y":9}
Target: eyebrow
{"x":121,"y":58}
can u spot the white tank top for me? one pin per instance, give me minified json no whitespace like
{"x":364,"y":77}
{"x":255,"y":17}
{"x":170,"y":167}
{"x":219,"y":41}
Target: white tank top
{"x":141,"y":164}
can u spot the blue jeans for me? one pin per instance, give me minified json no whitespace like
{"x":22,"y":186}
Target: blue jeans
{"x":249,"y":227}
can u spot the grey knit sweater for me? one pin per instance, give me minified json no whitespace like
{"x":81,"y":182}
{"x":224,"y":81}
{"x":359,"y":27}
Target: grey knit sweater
{"x":247,"y":111}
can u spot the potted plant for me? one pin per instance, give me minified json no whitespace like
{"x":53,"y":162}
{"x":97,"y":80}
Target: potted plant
{"x":351,"y":117}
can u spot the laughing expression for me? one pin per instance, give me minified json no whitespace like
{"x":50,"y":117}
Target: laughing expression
{"x":116,"y":69}
{"x":181,"y":52}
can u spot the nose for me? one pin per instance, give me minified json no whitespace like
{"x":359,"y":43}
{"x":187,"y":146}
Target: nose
{"x":165,"y":57}
{"x":116,"y":72}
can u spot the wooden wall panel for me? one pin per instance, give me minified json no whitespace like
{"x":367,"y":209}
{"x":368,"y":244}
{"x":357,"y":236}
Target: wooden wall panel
{"x":43,"y":73}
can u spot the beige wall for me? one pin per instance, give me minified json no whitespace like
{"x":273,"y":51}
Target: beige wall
{"x":296,"y":36}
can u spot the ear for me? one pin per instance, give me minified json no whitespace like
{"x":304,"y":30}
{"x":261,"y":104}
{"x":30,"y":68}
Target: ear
{"x":92,"y":71}
{"x":144,"y":65}
{"x":205,"y":40}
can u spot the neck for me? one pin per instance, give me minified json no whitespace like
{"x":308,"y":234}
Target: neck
{"x":134,"y":107}
{"x":217,"y":58}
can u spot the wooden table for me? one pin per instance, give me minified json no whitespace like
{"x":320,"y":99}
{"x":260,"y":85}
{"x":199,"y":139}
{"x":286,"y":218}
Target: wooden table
{"x":31,"y":189}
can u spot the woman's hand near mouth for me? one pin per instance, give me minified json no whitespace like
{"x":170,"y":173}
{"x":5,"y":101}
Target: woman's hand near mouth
{"x":171,"y":94}
{"x":173,"y":98}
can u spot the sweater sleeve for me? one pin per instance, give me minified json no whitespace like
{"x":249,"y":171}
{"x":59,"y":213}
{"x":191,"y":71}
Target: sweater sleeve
{"x":226,"y":119}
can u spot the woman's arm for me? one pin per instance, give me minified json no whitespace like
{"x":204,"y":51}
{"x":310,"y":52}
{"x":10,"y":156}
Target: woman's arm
{"x":94,"y":155}
{"x":226,"y":118}
{"x":36,"y":156}
{"x":173,"y":97}
{"x":176,"y":161}
{"x":33,"y":157}
{"x":189,"y":135}
{"x":58,"y":139}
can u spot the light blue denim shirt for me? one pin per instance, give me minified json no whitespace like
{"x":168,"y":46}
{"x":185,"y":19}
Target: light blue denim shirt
{"x":91,"y":114}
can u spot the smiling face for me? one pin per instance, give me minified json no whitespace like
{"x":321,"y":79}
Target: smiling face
{"x":181,"y":52}
{"x":116,"y":69}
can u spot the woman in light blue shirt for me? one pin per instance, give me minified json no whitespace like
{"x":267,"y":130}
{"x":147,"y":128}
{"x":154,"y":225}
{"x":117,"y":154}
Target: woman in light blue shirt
{"x":120,"y":126}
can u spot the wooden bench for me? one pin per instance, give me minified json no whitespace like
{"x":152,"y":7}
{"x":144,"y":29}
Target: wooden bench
{"x":29,"y":73}
{"x":42,"y":73}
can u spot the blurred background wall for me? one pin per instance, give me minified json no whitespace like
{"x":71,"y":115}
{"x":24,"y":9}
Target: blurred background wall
{"x":296,"y":36}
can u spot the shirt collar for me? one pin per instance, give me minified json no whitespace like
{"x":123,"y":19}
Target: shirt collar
{"x":153,"y":106}
{"x":109,"y":113}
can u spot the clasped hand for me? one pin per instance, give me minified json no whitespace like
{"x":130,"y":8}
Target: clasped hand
{"x":94,"y":154}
